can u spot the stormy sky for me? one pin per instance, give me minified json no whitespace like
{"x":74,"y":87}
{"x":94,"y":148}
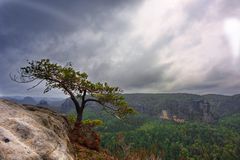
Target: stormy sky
{"x":149,"y":46}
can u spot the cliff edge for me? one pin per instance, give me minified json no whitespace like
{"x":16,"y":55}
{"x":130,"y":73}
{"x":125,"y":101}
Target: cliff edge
{"x":30,"y":132}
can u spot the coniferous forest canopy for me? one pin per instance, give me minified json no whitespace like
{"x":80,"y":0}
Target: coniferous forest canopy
{"x":145,"y":135}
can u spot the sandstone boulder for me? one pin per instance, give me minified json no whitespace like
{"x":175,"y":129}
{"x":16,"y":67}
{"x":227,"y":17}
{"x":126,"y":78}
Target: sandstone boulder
{"x":28,"y":132}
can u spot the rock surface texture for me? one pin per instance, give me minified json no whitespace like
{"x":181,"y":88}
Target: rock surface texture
{"x":28,"y":132}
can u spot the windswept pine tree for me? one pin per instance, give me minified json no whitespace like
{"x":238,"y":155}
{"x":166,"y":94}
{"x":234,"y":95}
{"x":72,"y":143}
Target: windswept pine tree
{"x":76,"y":85}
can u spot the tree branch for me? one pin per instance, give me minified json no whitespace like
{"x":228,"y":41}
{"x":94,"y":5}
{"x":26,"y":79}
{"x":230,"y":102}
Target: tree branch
{"x":114,"y":115}
{"x":83,"y":98}
{"x":14,"y":78}
{"x":101,"y":103}
{"x":36,"y":84}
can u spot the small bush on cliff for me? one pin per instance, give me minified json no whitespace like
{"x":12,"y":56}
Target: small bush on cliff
{"x":73,"y":117}
{"x":95,"y":122}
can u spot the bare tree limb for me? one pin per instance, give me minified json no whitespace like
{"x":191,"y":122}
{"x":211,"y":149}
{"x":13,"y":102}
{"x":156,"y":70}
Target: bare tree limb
{"x":23,"y":80}
{"x":36,"y":85}
{"x":101,"y":103}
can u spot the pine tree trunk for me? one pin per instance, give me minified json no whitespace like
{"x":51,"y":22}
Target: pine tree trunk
{"x":80,"y":115}
{"x":79,"y":109}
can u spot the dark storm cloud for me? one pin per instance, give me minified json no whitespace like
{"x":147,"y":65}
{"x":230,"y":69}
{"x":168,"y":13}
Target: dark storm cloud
{"x":24,"y":21}
{"x":141,"y":46}
{"x":34,"y":29}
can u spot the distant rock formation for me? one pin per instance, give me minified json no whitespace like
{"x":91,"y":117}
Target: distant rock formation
{"x":165,"y":116}
{"x":43,"y":103}
{"x":206,"y":113}
{"x":28,"y":100}
{"x":67,"y":106}
{"x":178,"y":120}
{"x":181,"y":107}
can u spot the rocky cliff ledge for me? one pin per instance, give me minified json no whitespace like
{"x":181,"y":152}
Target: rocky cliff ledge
{"x":28,"y":132}
{"x":32,"y":133}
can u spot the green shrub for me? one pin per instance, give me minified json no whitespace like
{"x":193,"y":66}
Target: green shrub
{"x":95,"y":122}
{"x":71,"y":117}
